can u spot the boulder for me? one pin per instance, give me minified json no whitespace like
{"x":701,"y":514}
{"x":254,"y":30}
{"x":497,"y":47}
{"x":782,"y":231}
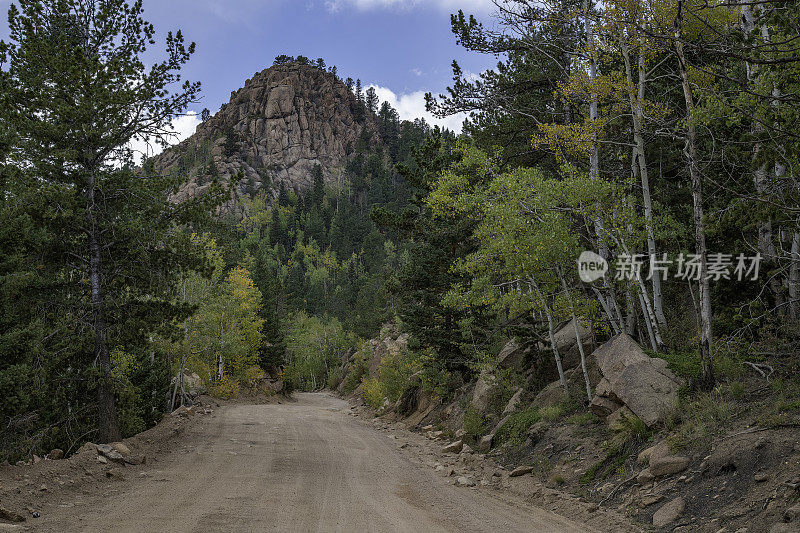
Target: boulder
{"x":642,"y":383}
{"x":104,"y":450}
{"x":666,"y":466}
{"x":669,"y":512}
{"x":513,"y":403}
{"x":55,"y":455}
{"x":551,"y":395}
{"x":512,"y":356}
{"x":481,"y":392}
{"x":453,"y":447}
{"x":645,"y":476}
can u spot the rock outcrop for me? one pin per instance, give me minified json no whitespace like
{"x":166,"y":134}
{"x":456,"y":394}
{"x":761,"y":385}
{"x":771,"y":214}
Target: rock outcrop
{"x":633,"y":380}
{"x":275,"y":130}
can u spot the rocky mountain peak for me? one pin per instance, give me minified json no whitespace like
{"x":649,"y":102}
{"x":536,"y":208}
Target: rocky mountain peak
{"x":284,"y":121}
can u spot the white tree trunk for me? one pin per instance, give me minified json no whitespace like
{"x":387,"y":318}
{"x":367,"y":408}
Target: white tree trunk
{"x":706,"y":337}
{"x":551,"y":333}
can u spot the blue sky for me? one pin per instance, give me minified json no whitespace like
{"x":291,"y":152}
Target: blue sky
{"x":403,"y":47}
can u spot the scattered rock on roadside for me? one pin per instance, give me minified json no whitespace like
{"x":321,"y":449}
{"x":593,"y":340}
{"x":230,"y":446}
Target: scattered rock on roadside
{"x":110,"y":453}
{"x":521,"y":471}
{"x":653,"y":452}
{"x":453,"y":447}
{"x":55,"y":455}
{"x":464,"y":481}
{"x":669,"y":512}
{"x":183,"y":411}
{"x":121,"y":448}
{"x":669,"y":465}
{"x":115,"y":473}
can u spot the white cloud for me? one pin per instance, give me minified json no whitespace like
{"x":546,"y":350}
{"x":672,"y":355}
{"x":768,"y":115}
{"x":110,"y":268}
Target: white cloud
{"x":183,"y":127}
{"x":412,"y":105}
{"x":444,"y":5}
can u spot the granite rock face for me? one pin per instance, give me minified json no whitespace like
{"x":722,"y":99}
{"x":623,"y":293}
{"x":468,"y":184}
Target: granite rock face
{"x":283,"y":122}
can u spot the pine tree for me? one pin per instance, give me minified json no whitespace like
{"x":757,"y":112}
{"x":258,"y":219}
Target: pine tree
{"x":372,"y":100}
{"x":112,"y":225}
{"x":359,"y":91}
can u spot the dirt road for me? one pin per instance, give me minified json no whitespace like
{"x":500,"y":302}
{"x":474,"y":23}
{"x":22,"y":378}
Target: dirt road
{"x":302,"y":466}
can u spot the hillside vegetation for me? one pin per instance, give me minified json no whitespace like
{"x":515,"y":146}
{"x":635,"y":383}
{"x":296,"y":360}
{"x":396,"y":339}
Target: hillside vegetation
{"x":307,"y":238}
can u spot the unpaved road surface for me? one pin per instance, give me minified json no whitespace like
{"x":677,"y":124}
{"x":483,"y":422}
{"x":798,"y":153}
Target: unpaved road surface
{"x":301,"y":466}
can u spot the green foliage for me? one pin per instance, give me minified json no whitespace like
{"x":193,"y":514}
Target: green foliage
{"x":475,"y":424}
{"x":75,"y":93}
{"x":358,"y":370}
{"x":315,"y":347}
{"x":373,"y":393}
{"x":395,"y":371}
{"x":515,"y":429}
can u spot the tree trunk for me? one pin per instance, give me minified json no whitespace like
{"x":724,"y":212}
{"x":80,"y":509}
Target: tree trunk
{"x":577,"y":335}
{"x":761,"y":178}
{"x":794,"y":278}
{"x":637,"y":114}
{"x":107,"y":426}
{"x":551,"y":333}
{"x":706,"y":338}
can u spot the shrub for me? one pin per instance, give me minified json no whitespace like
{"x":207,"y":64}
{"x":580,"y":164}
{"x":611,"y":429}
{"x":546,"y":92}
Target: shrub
{"x":394,"y":373}
{"x":373,"y":393}
{"x":358,"y":370}
{"x":517,"y":425}
{"x":225,"y":388}
{"x":475,"y":424}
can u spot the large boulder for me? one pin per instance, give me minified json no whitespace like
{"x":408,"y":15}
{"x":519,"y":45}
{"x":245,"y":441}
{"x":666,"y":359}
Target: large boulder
{"x":567,"y":343}
{"x":512,"y":356}
{"x":513,"y":404}
{"x":644,"y":384}
{"x":482,"y":391}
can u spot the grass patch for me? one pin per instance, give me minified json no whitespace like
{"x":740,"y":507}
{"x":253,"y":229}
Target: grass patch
{"x":629,"y":434}
{"x":699,"y":419}
{"x":516,"y":427}
{"x":583,"y":419}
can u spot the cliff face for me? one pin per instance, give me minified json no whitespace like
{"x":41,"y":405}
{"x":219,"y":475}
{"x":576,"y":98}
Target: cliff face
{"x":274,"y":130}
